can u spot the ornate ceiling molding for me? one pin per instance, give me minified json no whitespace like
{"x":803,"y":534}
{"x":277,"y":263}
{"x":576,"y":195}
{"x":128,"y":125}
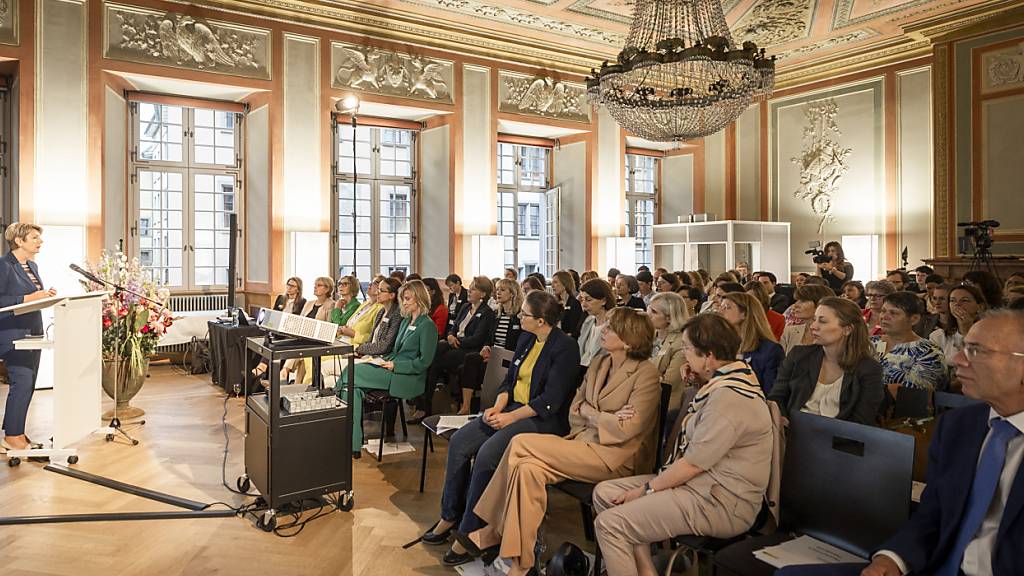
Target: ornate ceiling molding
{"x":180,"y":41}
{"x":848,"y":38}
{"x":390,"y":73}
{"x":777,"y":22}
{"x":9,"y":22}
{"x":623,"y":15}
{"x":543,"y":97}
{"x":897,"y":50}
{"x":514,"y":16}
{"x":844,"y":8}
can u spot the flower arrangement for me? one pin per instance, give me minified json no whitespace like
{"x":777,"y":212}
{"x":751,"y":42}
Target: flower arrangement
{"x":131,"y":325}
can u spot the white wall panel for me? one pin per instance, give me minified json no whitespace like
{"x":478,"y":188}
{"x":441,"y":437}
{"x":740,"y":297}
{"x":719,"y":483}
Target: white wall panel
{"x":257,"y":195}
{"x":915,"y":164}
{"x":115,"y":148}
{"x":435,"y":172}
{"x":570,"y":167}
{"x":302,"y":124}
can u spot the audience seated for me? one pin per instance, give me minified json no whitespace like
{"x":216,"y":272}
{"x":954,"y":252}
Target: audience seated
{"x":899,"y":279}
{"x":588,"y":276}
{"x":668,"y":314}
{"x":876,"y":291}
{"x":626,"y":288}
{"x":776,"y":321}
{"x":721,"y":288}
{"x":1014,"y":295}
{"x":988,"y":284}
{"x":907,"y":359}
{"x":472,"y":330}
{"x":347,"y":303}
{"x":938,"y":303}
{"x":853,"y":291}
{"x":597,"y":299}
{"x":718,"y":469}
{"x":613,"y":273}
{"x":534,"y":397}
{"x":758,"y":347}
{"x":837,"y":375}
{"x":319,"y":308}
{"x":531,"y":283}
{"x":385,"y":326}
{"x":457,"y":297}
{"x":1014,"y":280}
{"x":668,"y":282}
{"x":564,"y":289}
{"x":965,"y":304}
{"x":291,"y":301}
{"x":646,"y":282}
{"x":970,"y":517}
{"x":807,"y":299}
{"x":791,"y":319}
{"x":777,"y":300}
{"x":360,"y":326}
{"x":439,"y":311}
{"x":403,"y":371}
{"x":511,"y":274}
{"x":691,"y":296}
{"x":799,"y":279}
{"x":612,"y":434}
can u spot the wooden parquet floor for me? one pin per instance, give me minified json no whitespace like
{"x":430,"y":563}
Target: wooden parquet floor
{"x":181,"y":450}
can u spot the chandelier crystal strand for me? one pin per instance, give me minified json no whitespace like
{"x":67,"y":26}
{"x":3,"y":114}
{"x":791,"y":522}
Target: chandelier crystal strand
{"x":679,"y":75}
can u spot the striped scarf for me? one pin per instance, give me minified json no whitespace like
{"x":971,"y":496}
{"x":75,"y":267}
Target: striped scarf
{"x":738,"y":377}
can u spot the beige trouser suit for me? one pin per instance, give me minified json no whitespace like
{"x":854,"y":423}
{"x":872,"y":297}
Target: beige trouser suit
{"x":514,"y":503}
{"x":730,"y":438}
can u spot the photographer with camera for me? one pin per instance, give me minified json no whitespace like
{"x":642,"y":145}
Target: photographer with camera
{"x":832,"y":265}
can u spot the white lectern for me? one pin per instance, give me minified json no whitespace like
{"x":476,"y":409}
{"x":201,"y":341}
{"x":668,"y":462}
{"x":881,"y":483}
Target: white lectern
{"x":77,"y":360}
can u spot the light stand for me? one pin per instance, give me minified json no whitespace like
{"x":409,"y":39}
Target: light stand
{"x":115,"y":422}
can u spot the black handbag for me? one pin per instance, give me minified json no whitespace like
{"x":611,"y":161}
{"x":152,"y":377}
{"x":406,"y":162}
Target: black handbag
{"x":569,"y":560}
{"x":197,"y":357}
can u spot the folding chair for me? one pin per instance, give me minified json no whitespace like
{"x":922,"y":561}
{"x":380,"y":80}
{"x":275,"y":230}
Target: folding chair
{"x":843,"y":483}
{"x":497,"y":367}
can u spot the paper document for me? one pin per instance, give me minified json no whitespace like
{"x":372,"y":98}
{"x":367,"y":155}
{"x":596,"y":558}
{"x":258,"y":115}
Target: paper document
{"x":916,"y":490}
{"x":390,"y":448}
{"x":453,"y":422}
{"x":804,"y":550}
{"x":375,"y":360}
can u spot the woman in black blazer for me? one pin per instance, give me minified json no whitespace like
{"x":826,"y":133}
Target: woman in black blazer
{"x":291,"y":301}
{"x":538,"y":404}
{"x":472,"y":329}
{"x":836,"y":376}
{"x":20,"y":283}
{"x":564,"y":290}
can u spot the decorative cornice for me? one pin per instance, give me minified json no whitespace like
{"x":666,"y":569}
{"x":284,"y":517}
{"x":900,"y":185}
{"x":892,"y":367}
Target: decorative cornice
{"x":848,"y":38}
{"x":844,"y":8}
{"x":864,"y":57}
{"x":543,"y":97}
{"x":181,"y":41}
{"x":585,"y":7}
{"x":772,"y":23}
{"x":391,"y":73}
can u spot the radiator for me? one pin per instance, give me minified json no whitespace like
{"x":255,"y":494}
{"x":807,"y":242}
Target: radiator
{"x":198,"y":302}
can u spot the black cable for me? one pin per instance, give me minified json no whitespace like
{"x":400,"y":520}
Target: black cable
{"x":224,"y":461}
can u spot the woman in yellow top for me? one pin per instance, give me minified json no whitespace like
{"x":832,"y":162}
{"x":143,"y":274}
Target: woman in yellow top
{"x":533,"y":398}
{"x":612,"y":419}
{"x":357,"y":330}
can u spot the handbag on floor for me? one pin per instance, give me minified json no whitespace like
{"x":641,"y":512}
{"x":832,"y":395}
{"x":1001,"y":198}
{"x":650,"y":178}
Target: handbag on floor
{"x":569,"y":560}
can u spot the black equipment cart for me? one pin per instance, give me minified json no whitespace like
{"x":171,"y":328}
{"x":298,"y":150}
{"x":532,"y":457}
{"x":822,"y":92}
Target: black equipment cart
{"x":290,"y":456}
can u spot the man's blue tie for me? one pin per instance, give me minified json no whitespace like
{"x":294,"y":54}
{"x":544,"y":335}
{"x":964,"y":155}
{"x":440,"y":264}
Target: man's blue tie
{"x":986,"y":479}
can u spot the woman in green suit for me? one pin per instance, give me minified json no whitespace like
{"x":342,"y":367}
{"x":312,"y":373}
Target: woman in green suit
{"x":404,"y":371}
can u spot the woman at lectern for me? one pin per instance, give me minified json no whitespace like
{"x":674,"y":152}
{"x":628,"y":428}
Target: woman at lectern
{"x":20,"y":283}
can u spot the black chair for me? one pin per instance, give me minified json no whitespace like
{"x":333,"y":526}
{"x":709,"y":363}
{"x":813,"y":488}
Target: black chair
{"x":843,"y":483}
{"x":584,"y":491}
{"x":945,"y":401}
{"x":494,"y":375}
{"x":389,"y":406}
{"x":912,"y":403}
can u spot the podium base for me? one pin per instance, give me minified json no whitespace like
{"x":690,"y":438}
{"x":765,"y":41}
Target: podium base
{"x":125,"y":414}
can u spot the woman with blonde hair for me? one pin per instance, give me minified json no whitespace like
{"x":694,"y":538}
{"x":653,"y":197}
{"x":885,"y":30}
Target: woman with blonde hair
{"x":612,"y":434}
{"x":668,"y":314}
{"x":757,"y":343}
{"x":403,"y":371}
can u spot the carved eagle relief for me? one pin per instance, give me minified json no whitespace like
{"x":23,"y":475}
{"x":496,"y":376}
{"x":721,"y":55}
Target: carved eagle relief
{"x":183,"y":40}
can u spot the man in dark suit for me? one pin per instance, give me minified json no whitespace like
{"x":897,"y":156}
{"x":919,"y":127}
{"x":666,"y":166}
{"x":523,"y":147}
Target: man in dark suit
{"x":971,"y":517}
{"x":779,"y":301}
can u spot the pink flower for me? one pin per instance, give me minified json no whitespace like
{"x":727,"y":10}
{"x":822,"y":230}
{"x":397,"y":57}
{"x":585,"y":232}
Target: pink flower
{"x":145,"y":329}
{"x":159,"y":328}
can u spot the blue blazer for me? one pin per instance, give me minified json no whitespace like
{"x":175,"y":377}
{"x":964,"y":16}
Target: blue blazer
{"x":14,"y":286}
{"x":925,"y":541}
{"x":765,"y":362}
{"x":554,"y":379}
{"x":479,"y":331}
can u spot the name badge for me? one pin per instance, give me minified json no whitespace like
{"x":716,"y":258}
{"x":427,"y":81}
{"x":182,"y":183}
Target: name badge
{"x":517,"y":362}
{"x":412,"y":328}
{"x":515,"y":326}
{"x":383,"y":320}
{"x":662,"y":352}
{"x":566,"y":306}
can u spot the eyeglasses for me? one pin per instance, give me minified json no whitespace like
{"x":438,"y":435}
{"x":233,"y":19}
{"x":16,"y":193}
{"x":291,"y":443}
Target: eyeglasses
{"x":870,"y":295}
{"x":972,"y":350}
{"x":293,"y":285}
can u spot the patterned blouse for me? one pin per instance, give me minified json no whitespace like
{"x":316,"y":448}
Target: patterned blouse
{"x":917,"y":364}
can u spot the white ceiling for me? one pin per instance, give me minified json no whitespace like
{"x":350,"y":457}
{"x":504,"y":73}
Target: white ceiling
{"x":637,"y":142}
{"x":535,"y":130}
{"x":178,"y":87}
{"x":397,"y":112}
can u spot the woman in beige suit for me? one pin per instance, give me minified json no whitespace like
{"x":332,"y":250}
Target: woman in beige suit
{"x":612,"y":420}
{"x":719,"y":468}
{"x":668,"y":313}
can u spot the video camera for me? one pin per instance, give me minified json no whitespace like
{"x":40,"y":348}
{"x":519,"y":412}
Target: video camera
{"x":818,"y":256}
{"x":980,"y":231}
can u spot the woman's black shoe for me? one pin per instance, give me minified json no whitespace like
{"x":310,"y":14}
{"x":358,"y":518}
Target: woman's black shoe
{"x":451,"y":558}
{"x":434,"y":538}
{"x":487,"y":555}
{"x":357,"y":454}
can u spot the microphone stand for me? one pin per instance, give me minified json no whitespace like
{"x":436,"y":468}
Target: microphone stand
{"x":115,"y":422}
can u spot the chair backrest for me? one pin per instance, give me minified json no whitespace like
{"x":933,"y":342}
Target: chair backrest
{"x":949,"y":401}
{"x":845,"y":483}
{"x":497,"y":367}
{"x":661,"y":431}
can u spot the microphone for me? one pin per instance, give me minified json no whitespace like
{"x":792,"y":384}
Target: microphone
{"x":87,"y":274}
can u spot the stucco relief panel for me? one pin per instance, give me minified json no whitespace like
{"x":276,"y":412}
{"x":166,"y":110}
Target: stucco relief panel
{"x":771,"y":23}
{"x":1002,"y":69}
{"x":544,"y":97}
{"x":181,"y":41}
{"x":390,"y":73}
{"x":9,"y":22}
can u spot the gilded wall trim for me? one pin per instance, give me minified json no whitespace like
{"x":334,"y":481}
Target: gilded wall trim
{"x":542,"y":97}
{"x":940,"y":99}
{"x":1002,"y":69}
{"x":390,"y":73}
{"x":178,"y":40}
{"x":9,"y":22}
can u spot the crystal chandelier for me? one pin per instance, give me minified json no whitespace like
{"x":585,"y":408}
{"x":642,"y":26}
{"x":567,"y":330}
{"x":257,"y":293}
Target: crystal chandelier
{"x":679,"y":76}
